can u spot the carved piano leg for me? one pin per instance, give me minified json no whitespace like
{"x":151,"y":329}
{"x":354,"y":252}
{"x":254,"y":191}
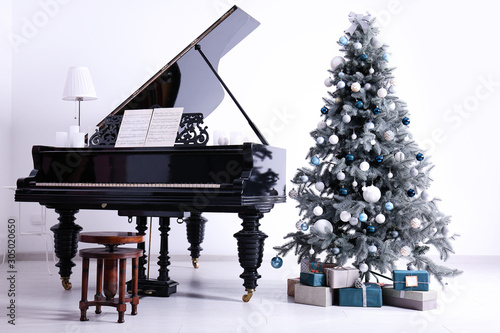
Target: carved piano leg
{"x":142,"y":227}
{"x":250,"y":250}
{"x":66,"y":243}
{"x":195,"y":228}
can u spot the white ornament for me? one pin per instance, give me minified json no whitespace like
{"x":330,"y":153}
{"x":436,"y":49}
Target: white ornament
{"x":405,"y":251}
{"x":380,"y":218}
{"x":364,"y":166}
{"x":340,"y":84}
{"x":323,"y":225}
{"x":321,"y":125}
{"x":328,"y":82}
{"x":340,"y":175}
{"x":320,"y":140}
{"x":426,"y":196}
{"x":371,"y":70}
{"x":382,"y":92}
{"x":333,"y":139}
{"x":354,"y":136}
{"x":392,"y":89}
{"x":354,"y":183}
{"x":372,"y":249}
{"x":392,"y":106}
{"x":317,"y":210}
{"x":346,"y":118}
{"x":413,"y":172}
{"x":353,"y":221}
{"x":320,"y":186}
{"x":376,"y":43}
{"x":399,"y":156}
{"x":369,"y":126}
{"x":345,"y":216}
{"x":336,"y":62}
{"x":338,"y":100}
{"x":415,"y":223}
{"x":390,"y":175}
{"x":372,"y":194}
{"x":389,"y":135}
{"x":445,"y":231}
{"x":373,"y":142}
{"x":407,"y":138}
{"x":368,"y":86}
{"x":357,"y":45}
{"x":355,"y":87}
{"x":363,"y":268}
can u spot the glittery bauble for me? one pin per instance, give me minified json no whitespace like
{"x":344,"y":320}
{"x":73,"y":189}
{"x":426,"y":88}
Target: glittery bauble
{"x":372,"y":249}
{"x":336,"y":62}
{"x":363,"y":217}
{"x":304,"y":178}
{"x":304,"y":226}
{"x":380,"y":218}
{"x":405,"y":251}
{"x":328,"y":82}
{"x":335,"y":250}
{"x":415,"y":223}
{"x":359,"y":104}
{"x":349,"y":158}
{"x":372,"y":194}
{"x":370,"y":229}
{"x":324,"y":110}
{"x":406,"y":121}
{"x":363,"y":268}
{"x":323,"y":226}
{"x":340,"y":84}
{"x":356,"y":87}
{"x":411,"y":193}
{"x":276,"y":262}
{"x":377,"y":111}
{"x":353,"y":221}
{"x":320,"y":140}
{"x":299,"y":224}
{"x":343,"y":40}
{"x":364,"y":166}
{"x":389,"y":205}
{"x":321,"y":125}
{"x":399,"y":156}
{"x":343,"y":192}
{"x":345,"y":216}
{"x":382,"y":92}
{"x":320,"y":186}
{"x":420,"y":157}
{"x":389,"y":135}
{"x":333,"y":139}
{"x":318,"y":210}
{"x":394,"y":234}
{"x":346,"y":118}
{"x":379,"y":158}
{"x":386,"y":56}
{"x":293,"y":193}
{"x":340,"y":175}
{"x":363,"y":57}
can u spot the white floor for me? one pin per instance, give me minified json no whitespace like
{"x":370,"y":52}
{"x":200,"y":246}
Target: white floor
{"x":209,"y":300}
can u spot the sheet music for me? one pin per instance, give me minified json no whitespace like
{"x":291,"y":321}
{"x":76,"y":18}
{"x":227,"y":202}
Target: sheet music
{"x":134,"y":128}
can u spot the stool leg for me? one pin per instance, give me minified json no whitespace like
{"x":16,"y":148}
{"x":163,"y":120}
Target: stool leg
{"x":135,"y":278}
{"x":85,"y":285}
{"x":110,"y":278}
{"x":121,"y":306}
{"x":98,"y":294}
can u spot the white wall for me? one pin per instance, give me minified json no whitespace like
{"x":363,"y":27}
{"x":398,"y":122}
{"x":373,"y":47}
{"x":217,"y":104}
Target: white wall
{"x":443,"y":60}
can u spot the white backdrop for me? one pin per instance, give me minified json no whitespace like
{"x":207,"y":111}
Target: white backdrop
{"x":447,"y":72}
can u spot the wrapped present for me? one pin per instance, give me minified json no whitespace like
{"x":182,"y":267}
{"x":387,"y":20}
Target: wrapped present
{"x":319,"y":267}
{"x":411,"y":280}
{"x":409,"y":299}
{"x":320,"y":296}
{"x":341,"y":277}
{"x":312,"y":279}
{"x":305,"y":265}
{"x":368,"y":296}
{"x":291,"y":286}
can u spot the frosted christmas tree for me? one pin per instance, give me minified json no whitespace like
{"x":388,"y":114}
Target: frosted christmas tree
{"x":364,"y":194}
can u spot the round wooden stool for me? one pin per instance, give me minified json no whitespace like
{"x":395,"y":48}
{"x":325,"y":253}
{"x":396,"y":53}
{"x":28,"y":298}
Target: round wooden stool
{"x":107,"y":258}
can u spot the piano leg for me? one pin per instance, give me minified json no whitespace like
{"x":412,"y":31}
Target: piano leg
{"x":142,"y":227}
{"x":195,"y":228}
{"x":250,"y":250}
{"x":66,"y":243}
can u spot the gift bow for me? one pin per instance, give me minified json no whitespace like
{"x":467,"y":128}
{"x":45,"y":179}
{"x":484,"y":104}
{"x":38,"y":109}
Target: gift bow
{"x":358,"y":19}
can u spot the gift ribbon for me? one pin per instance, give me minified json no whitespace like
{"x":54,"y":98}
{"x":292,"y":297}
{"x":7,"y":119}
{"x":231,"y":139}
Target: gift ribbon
{"x":364,"y":296}
{"x":358,"y":19}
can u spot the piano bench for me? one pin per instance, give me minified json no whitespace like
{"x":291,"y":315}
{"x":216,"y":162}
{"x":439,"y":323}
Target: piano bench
{"x":106,"y":284}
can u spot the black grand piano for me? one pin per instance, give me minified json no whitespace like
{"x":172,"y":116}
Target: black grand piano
{"x":179,"y":182}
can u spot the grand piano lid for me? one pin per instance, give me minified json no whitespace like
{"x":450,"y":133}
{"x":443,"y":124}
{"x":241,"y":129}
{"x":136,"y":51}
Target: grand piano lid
{"x":187,"y":81}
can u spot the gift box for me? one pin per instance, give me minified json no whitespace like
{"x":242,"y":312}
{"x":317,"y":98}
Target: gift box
{"x":320,"y":296}
{"x":409,"y":299}
{"x":291,"y":286}
{"x":341,"y":277}
{"x":312,"y":279}
{"x":307,"y":266}
{"x":368,"y":296}
{"x":411,"y":280}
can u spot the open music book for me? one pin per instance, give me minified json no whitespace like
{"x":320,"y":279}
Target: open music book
{"x":149,"y":128}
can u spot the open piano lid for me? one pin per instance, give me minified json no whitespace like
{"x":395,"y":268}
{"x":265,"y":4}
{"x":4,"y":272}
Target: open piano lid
{"x":186,"y":81}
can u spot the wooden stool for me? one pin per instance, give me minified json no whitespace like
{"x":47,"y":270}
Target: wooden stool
{"x":108,"y":258}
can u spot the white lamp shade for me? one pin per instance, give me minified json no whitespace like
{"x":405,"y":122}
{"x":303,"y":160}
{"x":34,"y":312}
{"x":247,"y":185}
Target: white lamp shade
{"x":79,"y":85}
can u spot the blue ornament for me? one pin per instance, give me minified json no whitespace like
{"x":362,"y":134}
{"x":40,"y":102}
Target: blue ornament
{"x":420,"y":157}
{"x":349,"y":158}
{"x":304,"y":226}
{"x":363,"y":57}
{"x":386,"y":56}
{"x":370,"y":229}
{"x":324,"y":110}
{"x":363,"y":217}
{"x":379,"y":158}
{"x":411,"y":193}
{"x":276,"y":262}
{"x":394,"y":234}
{"x":406,"y":121}
{"x":376,"y":111}
{"x":359,"y":104}
{"x":315,"y":160}
{"x":389,"y":205}
{"x":343,"y":192}
{"x":335,"y":251}
{"x":304,"y":178}
{"x":343,"y":40}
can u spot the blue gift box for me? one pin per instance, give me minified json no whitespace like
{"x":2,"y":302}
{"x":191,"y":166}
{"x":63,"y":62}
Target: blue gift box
{"x":411,"y":280}
{"x":312,"y":279}
{"x":370,"y":295}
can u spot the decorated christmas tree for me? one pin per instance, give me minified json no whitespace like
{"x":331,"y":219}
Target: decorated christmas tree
{"x":364,"y":194}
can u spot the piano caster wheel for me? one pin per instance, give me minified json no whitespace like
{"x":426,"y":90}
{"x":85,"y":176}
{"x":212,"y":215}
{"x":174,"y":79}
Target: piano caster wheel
{"x":248,"y":296}
{"x":195,"y":263}
{"x":65,"y":283}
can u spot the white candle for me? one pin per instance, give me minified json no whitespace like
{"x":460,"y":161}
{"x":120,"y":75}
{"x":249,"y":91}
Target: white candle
{"x":221,"y":138}
{"x":78,"y":140}
{"x":61,"y":139}
{"x":236,"y":138}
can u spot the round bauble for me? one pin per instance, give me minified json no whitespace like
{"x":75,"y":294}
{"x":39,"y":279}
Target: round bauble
{"x":363,"y":217}
{"x":445,"y":231}
{"x":328,"y":82}
{"x":324,"y":110}
{"x":318,"y":210}
{"x":320,"y":140}
{"x":414,"y":172}
{"x":354,"y":136}
{"x":333,"y":139}
{"x":369,"y":126}
{"x":359,"y":104}
{"x":368,"y":86}
{"x":293,"y":193}
{"x":323,"y":226}
{"x":321,"y":125}
{"x":363,"y":268}
{"x":276,"y":262}
{"x":389,"y":206}
{"x":372,"y":249}
{"x":346,"y":118}
{"x":373,"y":142}
{"x":370,"y":229}
{"x":399,"y":156}
{"x":411,"y":267}
{"x":394,"y":234}
{"x":356,"y":87}
{"x":372,"y":194}
{"x":353,"y":221}
{"x":411,"y":193}
{"x":406,"y":121}
{"x":340,"y":175}
{"x":340,"y":84}
{"x":314,"y":160}
{"x":363,"y":57}
{"x":357,"y":45}
{"x":320,"y":186}
{"x":426,"y":196}
{"x":349,"y":158}
{"x":380,"y":218}
{"x":343,"y":192}
{"x":335,"y":251}
{"x":345,"y":216}
{"x":386,"y":56}
{"x":304,"y":226}
{"x":299,"y":224}
{"x":382,"y":92}
{"x":379,"y":158}
{"x":304,"y":178}
{"x":354,"y":183}
{"x":343,"y":40}
{"x":415,"y":223}
{"x":375,"y":42}
{"x":338,"y":100}
{"x":389,"y":135}
{"x":391,"y":106}
{"x":390,"y":175}
{"x":377,"y":111}
{"x":405,"y":251}
{"x":420,"y":157}
{"x":371,"y":70}
{"x":336,"y":62}
{"x":364,"y":166}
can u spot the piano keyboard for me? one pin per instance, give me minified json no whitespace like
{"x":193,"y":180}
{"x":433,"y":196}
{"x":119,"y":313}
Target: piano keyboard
{"x":163,"y":185}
